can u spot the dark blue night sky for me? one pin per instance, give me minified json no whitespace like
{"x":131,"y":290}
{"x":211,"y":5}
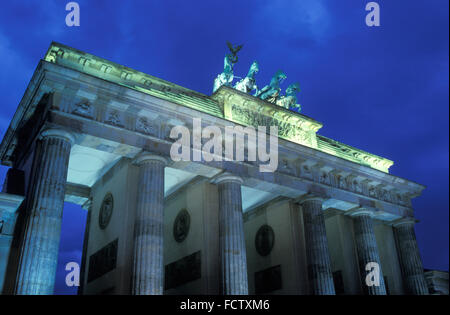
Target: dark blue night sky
{"x":383,"y":90}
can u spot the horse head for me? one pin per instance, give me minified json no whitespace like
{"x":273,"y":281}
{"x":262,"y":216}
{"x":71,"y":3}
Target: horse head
{"x":254,"y":68}
{"x":293,"y":89}
{"x":278,"y":78}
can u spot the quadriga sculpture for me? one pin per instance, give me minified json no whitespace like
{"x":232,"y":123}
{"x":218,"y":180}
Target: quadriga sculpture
{"x":227,"y":76}
{"x":248,"y":83}
{"x":289,"y":101}
{"x":271,"y":92}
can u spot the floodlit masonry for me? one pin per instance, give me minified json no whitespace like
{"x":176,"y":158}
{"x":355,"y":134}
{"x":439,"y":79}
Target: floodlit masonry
{"x":207,"y":144}
{"x":97,"y":134}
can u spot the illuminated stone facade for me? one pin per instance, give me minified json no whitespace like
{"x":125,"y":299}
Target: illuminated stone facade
{"x":95,"y":133}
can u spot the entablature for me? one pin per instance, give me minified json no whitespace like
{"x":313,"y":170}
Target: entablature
{"x":227,"y":103}
{"x":112,"y":117}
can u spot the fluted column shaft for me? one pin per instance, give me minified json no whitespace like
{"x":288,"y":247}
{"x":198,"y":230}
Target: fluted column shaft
{"x":367,"y":250}
{"x":148,"y":265}
{"x":233,"y":257}
{"x":409,"y":255}
{"x":88,"y":207}
{"x":39,"y":252}
{"x":317,"y":253}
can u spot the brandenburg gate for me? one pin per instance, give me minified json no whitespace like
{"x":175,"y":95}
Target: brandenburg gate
{"x":98,"y":134}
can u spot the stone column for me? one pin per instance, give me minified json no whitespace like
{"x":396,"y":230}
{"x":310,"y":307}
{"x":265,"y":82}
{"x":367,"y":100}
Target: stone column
{"x":366,"y":247}
{"x":148,"y":265}
{"x":233,"y":256}
{"x":317,"y":254}
{"x":409,"y":255}
{"x":88,"y":207}
{"x":39,"y":252}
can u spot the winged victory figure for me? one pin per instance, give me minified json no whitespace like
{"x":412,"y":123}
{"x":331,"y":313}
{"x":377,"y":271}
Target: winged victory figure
{"x":227,"y":76}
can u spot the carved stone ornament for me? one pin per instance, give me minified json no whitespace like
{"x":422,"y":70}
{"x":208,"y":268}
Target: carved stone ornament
{"x":113,"y":118}
{"x":264,"y":240}
{"x":181,"y":226}
{"x":83,"y":109}
{"x":143,"y":125}
{"x":106,"y":210}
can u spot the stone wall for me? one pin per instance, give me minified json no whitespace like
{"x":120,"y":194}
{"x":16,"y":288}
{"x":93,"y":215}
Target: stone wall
{"x":120,"y":182}
{"x":281,"y":260}
{"x":389,"y":259}
{"x":343,"y":257}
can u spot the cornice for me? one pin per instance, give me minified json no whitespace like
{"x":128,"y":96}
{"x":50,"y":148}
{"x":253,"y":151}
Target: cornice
{"x":292,"y":126}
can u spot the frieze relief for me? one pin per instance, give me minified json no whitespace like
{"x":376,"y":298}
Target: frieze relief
{"x":393,"y":196}
{"x":113,"y":118}
{"x":144,"y":126}
{"x":55,"y":53}
{"x":298,"y":168}
{"x":306,"y":172}
{"x":286,"y":130}
{"x":356,"y":186}
{"x":324,"y":178}
{"x":297,"y":165}
{"x":316,"y":172}
{"x":83,"y":108}
{"x":338,"y":180}
{"x":372,"y":192}
{"x":285,"y":167}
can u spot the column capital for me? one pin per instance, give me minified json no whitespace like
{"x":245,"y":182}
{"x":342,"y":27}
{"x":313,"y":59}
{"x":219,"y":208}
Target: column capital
{"x":149,"y":157}
{"x":309,"y":197}
{"x":227,"y":177}
{"x":362,"y":211}
{"x":405,"y":221}
{"x":57,"y":133}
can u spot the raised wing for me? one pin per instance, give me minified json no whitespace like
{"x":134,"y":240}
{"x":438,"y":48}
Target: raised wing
{"x":230,"y":46}
{"x":234,"y":50}
{"x":238,"y":48}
